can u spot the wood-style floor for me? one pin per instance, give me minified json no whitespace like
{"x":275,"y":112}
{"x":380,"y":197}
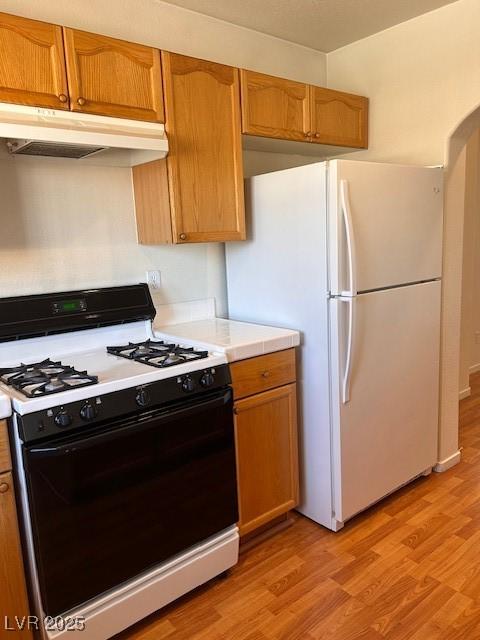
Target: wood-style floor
{"x":408,"y":569}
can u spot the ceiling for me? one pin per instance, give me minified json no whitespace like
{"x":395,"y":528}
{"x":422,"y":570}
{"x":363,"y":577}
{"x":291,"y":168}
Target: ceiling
{"x":324,"y":25}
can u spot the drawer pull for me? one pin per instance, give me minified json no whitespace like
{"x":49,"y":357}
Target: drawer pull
{"x":81,"y":101}
{"x":4,"y":487}
{"x":63,"y":98}
{"x":265,"y":374}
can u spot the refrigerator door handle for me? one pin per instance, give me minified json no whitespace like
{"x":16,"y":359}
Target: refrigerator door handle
{"x":347,"y":219}
{"x":347,"y":372}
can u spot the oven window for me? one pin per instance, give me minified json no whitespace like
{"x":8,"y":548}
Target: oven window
{"x":109,"y":506}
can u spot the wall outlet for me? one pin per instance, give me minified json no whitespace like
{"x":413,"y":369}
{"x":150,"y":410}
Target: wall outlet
{"x":154,"y":280}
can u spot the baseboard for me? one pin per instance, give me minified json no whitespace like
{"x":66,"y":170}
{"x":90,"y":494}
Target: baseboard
{"x":465,"y":393}
{"x":449,"y":462}
{"x":474,"y":368}
{"x":266,"y":531}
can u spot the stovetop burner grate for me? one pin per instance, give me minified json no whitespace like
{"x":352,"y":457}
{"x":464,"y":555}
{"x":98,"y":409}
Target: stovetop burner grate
{"x":157,"y":353}
{"x":44,"y":378}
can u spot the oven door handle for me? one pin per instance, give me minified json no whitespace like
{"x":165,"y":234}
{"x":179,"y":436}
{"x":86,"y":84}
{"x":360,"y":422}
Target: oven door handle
{"x":139,"y":424}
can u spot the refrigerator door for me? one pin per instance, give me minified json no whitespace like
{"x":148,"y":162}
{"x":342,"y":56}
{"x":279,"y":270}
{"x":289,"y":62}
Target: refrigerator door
{"x":385,"y":427}
{"x":385,"y":225}
{"x":279,"y":277}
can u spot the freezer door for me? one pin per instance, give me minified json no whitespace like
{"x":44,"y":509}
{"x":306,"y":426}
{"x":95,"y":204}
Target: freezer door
{"x":385,"y":225}
{"x":385,"y":427}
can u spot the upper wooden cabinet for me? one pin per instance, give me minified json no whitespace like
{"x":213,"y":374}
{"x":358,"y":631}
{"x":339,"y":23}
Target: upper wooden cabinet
{"x":46,"y":65}
{"x":112,"y":77}
{"x":278,"y":108}
{"x":202,"y":108}
{"x":204,"y":163}
{"x":339,"y":118}
{"x":274,"y":107}
{"x":32,"y":63}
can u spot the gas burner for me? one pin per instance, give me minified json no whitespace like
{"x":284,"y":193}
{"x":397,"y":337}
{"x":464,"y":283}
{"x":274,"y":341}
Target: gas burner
{"x":44,"y":378}
{"x":157,"y":354}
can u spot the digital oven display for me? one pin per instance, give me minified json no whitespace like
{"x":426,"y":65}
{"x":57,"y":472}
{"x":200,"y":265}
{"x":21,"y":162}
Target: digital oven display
{"x":70,"y":306}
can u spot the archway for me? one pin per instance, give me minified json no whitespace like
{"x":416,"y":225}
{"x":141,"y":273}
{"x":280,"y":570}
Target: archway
{"x":454,"y":215}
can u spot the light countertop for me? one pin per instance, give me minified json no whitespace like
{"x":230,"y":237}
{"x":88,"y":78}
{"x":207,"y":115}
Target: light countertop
{"x":5,"y":406}
{"x":238,"y":340}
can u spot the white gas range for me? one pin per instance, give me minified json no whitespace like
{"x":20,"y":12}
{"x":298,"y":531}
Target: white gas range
{"x":124,"y":454}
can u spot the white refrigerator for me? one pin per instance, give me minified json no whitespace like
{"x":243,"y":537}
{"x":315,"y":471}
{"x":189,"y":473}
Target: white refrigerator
{"x":350,"y":254}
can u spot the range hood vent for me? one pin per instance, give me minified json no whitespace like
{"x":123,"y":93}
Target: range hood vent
{"x":82,"y":137}
{"x":51,"y":149}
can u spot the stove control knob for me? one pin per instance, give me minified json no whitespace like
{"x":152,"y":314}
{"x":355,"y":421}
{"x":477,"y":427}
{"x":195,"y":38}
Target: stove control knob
{"x":188,"y":385}
{"x":63,"y":419}
{"x":207,"y":379}
{"x":88,"y":412}
{"x":142,"y":398}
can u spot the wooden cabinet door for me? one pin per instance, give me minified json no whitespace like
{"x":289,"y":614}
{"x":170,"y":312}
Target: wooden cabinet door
{"x":202,"y":108}
{"x":32,"y":63}
{"x":267,"y":458}
{"x":112,"y":77}
{"x":13,"y":594}
{"x":339,"y":118}
{"x":5,"y":460}
{"x":274,"y":107}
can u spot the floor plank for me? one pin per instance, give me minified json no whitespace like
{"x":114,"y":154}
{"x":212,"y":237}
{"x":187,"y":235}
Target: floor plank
{"x":408,"y":569}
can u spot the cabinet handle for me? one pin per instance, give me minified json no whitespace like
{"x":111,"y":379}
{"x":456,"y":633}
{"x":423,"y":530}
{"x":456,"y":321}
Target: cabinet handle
{"x":308,"y":134}
{"x":81,"y":101}
{"x":265,"y":374}
{"x":183,"y":236}
{"x":317,"y":135}
{"x":4,"y":487}
{"x":63,"y":98}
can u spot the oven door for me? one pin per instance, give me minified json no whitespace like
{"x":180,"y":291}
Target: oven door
{"x":107,"y":506}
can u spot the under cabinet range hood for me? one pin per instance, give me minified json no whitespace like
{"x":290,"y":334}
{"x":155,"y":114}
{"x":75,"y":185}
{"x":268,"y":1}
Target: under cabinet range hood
{"x":94,"y":139}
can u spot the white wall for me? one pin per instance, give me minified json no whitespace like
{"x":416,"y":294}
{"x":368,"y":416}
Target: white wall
{"x":63,"y":226}
{"x":423,"y":80}
{"x":470,"y":322}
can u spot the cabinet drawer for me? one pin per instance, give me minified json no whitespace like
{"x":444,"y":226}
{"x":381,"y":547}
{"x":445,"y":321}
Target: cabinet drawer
{"x":262,"y":373}
{"x":5,"y":462}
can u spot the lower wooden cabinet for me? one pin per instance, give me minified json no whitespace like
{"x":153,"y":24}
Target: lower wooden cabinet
{"x":5,"y":460}
{"x":13,"y":595}
{"x":267,"y":456}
